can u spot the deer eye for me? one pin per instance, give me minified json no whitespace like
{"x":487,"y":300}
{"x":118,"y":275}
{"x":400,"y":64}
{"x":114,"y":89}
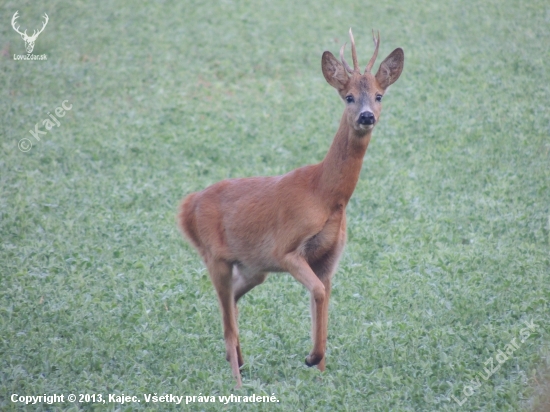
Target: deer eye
{"x":378,"y":97}
{"x":350,"y":99}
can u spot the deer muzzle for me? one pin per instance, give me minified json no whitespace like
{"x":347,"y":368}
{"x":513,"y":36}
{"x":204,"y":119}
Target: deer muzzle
{"x":366,"y":118}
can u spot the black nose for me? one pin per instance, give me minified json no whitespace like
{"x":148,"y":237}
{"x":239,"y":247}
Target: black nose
{"x":366,"y":118}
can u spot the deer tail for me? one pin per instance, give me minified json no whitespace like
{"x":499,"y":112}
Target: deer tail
{"x":187,"y":221}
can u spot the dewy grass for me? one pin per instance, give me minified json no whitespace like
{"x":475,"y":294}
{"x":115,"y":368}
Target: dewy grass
{"x":448,"y":248}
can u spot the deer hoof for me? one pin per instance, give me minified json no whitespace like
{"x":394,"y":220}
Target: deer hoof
{"x":312,"y":360}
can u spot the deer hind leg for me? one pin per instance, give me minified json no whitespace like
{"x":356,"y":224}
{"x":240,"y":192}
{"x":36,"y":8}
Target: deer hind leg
{"x":220,"y":273}
{"x":243,"y":281}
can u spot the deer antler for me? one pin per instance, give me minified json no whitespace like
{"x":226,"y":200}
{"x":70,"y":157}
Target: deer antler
{"x":353,"y":56}
{"x":353,"y":53}
{"x":15,"y":16}
{"x":346,"y":65}
{"x":375,"y":54}
{"x":34,"y":33}
{"x":34,"y":36}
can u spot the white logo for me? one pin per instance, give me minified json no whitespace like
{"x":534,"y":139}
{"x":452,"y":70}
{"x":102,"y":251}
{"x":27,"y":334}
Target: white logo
{"x":29,"y":40}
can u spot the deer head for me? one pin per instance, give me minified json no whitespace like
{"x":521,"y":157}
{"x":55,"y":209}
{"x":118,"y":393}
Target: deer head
{"x":29,"y":40}
{"x":362,"y":93}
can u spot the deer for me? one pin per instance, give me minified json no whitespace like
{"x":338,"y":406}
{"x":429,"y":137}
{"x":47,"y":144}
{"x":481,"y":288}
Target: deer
{"x":29,"y":40}
{"x":245,"y":228}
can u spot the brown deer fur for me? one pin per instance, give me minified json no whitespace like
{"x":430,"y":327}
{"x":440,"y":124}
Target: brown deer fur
{"x":296,"y":223}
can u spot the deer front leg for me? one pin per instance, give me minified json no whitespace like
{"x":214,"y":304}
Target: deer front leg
{"x":324,"y":269}
{"x":220,"y":273}
{"x":297,"y":266}
{"x":323,"y":321}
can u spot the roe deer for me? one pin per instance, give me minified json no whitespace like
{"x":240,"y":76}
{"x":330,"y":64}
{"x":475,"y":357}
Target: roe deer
{"x":296,"y":223}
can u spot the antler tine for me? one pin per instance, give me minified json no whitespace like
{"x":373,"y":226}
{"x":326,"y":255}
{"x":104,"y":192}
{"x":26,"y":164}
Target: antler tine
{"x":346,"y":65}
{"x":46,"y":19}
{"x":353,"y":52}
{"x":375,"y":54}
{"x":15,"y":17}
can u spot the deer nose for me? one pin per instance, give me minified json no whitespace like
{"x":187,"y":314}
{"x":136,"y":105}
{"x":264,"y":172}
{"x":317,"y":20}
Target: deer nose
{"x":366,"y":118}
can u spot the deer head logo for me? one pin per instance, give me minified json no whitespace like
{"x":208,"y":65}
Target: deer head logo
{"x":29,"y":40}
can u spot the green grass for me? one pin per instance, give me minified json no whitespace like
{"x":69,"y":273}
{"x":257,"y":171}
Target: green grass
{"x":449,"y":227}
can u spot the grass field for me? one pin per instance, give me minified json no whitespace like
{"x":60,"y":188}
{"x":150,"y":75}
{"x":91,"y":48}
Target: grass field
{"x":448,"y":249}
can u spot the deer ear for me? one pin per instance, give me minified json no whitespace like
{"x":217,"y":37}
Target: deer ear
{"x":391,"y":68}
{"x":334,"y":72}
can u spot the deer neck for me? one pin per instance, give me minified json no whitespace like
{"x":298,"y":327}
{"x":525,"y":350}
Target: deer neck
{"x":339,"y":171}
